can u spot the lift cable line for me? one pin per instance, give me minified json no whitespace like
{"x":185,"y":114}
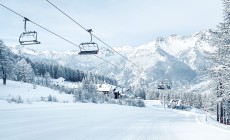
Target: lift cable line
{"x":54,"y":33}
{"x":140,"y":69}
{"x":92,"y":34}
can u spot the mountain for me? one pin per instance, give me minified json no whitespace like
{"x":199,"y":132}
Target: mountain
{"x":175,"y":59}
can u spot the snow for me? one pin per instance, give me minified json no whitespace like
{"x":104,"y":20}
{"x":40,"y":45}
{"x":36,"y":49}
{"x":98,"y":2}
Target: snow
{"x":203,"y":87}
{"x":29,"y":94}
{"x":78,"y":121}
{"x":201,"y":119}
{"x":153,"y":103}
{"x":104,"y":87}
{"x":174,"y":45}
{"x":87,"y":121}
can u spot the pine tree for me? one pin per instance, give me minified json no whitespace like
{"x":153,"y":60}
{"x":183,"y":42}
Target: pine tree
{"x":6,"y":62}
{"x":140,"y":93}
{"x":47,"y":79}
{"x":24,"y":71}
{"x":220,"y":68}
{"x":60,"y":72}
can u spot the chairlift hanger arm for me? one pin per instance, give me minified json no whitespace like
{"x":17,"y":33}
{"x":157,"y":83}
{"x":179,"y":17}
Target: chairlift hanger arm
{"x":25,"y":19}
{"x":90,"y":31}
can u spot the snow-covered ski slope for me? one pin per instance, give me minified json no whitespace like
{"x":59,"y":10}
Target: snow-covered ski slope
{"x":35,"y":120}
{"x":78,"y":121}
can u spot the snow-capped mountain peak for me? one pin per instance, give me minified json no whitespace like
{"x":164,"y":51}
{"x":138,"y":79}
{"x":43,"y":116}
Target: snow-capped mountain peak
{"x":173,"y":58}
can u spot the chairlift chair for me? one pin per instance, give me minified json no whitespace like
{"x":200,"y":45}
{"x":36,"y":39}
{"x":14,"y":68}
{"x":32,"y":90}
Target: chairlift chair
{"x":88,"y":48}
{"x":28,"y":37}
{"x":160,"y":87}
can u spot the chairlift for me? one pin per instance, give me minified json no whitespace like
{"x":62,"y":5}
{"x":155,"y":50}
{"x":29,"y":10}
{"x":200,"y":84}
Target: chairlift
{"x":163,"y":87}
{"x":160,"y":87}
{"x":28,"y":37}
{"x":88,"y":48}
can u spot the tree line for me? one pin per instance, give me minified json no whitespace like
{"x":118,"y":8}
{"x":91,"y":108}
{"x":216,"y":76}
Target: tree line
{"x":19,"y":68}
{"x":219,"y":71}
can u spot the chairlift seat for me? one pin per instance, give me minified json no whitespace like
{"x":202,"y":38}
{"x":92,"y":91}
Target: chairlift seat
{"x":28,"y":38}
{"x":87,"y":52}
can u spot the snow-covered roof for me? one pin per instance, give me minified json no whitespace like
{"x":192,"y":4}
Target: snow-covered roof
{"x":60,"y":79}
{"x":103,"y":87}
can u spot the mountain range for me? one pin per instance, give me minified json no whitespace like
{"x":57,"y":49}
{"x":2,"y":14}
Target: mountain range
{"x":175,"y":59}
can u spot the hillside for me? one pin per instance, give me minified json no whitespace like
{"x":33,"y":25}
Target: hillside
{"x":13,"y":90}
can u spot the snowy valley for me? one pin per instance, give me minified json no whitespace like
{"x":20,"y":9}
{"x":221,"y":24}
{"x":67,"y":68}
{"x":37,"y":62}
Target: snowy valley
{"x":114,"y":70}
{"x":39,"y":110}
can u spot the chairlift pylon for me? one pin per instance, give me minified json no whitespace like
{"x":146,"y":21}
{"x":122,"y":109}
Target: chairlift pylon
{"x":28,"y":37}
{"x":88,"y":48}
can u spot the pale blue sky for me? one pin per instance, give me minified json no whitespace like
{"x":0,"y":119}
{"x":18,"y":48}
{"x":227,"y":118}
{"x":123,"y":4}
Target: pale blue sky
{"x":117,"y":22}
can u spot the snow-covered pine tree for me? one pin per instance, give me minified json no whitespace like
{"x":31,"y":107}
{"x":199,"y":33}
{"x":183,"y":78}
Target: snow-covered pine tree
{"x":47,"y":79}
{"x":24,"y":71}
{"x":60,"y":72}
{"x":30,"y":73}
{"x":140,"y":92}
{"x":220,"y":69}
{"x":88,"y":86}
{"x":6,"y":62}
{"x":224,"y":54}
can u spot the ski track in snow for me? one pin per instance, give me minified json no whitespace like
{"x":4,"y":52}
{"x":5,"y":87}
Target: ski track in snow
{"x":100,"y":122}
